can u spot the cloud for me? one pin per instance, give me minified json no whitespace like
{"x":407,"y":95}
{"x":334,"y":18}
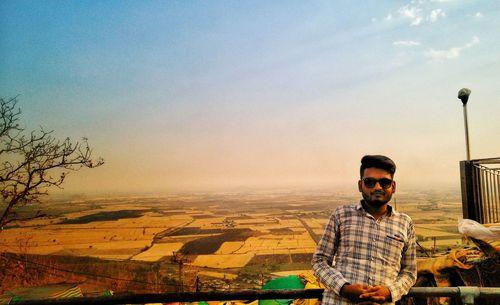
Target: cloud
{"x":436,"y":14}
{"x":411,"y":12}
{"x":418,"y":12}
{"x":478,"y":15}
{"x":475,"y":40}
{"x":450,"y":53}
{"x":443,"y":54}
{"x":406,"y":43}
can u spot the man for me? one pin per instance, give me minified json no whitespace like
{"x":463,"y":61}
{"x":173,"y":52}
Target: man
{"x":367,"y":254}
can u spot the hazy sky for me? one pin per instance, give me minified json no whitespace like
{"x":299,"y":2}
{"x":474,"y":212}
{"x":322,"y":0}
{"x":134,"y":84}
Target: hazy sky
{"x":197,"y":95}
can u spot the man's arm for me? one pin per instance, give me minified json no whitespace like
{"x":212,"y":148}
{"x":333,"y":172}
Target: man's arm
{"x":323,"y":257}
{"x":408,"y":272}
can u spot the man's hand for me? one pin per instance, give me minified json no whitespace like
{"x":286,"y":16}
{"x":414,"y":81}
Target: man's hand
{"x":353,"y":292}
{"x":377,"y":294}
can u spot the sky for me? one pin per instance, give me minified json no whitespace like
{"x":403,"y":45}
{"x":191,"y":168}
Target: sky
{"x":232,"y":95}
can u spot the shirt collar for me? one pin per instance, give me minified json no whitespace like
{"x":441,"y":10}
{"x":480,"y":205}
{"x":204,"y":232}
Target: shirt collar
{"x":390,"y":211}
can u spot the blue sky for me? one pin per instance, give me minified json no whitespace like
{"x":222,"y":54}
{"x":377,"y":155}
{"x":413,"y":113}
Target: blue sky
{"x":217,"y":95}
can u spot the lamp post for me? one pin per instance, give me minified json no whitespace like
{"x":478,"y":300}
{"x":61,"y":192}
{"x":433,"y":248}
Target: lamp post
{"x":463,"y":95}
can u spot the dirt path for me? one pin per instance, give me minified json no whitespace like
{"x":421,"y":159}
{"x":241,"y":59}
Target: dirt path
{"x":313,"y":235}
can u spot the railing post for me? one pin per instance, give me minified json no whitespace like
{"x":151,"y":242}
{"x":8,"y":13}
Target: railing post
{"x":479,"y":195}
{"x":468,"y":294}
{"x":467,"y":185}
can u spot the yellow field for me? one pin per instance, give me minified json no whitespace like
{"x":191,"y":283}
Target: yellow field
{"x":276,"y":244}
{"x":268,"y":244}
{"x":257,"y":215}
{"x":452,"y":243}
{"x":126,"y":238}
{"x":223,"y":261}
{"x":318,"y":231}
{"x":264,"y":221}
{"x":115,"y":251}
{"x":290,"y":223}
{"x":219,"y":275}
{"x":292,"y":272}
{"x":315,"y":223}
{"x":157,"y":251}
{"x":118,"y":239}
{"x":432,"y":232}
{"x":438,"y":215}
{"x":206,"y":223}
{"x":437,"y":226}
{"x":230,"y":247}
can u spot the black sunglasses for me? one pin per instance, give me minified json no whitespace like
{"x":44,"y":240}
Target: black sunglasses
{"x":385,"y":183}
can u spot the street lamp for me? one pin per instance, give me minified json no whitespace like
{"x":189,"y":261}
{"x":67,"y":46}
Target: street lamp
{"x":463,"y":95}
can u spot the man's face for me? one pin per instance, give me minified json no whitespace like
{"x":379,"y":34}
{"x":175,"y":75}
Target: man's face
{"x":377,"y":186}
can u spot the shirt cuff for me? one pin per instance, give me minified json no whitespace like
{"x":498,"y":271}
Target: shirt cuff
{"x":395,"y":293}
{"x":338,"y":286}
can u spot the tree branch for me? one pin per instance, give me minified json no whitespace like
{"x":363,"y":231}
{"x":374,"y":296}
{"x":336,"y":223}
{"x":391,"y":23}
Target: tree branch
{"x":30,"y":161}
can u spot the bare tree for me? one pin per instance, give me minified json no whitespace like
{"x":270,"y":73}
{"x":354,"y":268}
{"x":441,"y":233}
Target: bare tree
{"x":33,"y":162}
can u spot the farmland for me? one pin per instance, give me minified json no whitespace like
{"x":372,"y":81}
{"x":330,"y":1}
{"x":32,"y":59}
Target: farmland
{"x":154,"y":230}
{"x":218,"y":236}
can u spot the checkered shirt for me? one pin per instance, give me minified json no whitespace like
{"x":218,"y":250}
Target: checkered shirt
{"x":357,"y":249}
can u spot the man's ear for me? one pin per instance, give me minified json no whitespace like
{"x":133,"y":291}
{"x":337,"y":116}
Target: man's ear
{"x":393,"y":186}
{"x":360,"y":187}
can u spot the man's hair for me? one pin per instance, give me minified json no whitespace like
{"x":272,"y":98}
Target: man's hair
{"x":377,"y":161}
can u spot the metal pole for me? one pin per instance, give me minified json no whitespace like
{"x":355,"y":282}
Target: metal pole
{"x":463,"y":95}
{"x":466,"y":132}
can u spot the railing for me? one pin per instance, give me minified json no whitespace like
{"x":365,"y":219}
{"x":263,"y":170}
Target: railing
{"x":480,"y":180}
{"x":468,"y":295}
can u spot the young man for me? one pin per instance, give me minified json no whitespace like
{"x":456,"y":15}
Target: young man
{"x":367,"y":252}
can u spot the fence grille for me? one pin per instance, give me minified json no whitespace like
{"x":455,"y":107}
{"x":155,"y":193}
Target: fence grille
{"x":480,"y":181}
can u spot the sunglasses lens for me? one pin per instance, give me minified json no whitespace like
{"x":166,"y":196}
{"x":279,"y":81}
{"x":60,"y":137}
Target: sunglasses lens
{"x":385,"y":183}
{"x":371,"y":182}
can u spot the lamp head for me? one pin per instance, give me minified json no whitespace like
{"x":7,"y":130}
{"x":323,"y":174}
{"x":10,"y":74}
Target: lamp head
{"x":463,"y":95}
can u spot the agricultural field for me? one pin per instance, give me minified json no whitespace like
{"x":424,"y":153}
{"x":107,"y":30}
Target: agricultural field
{"x":215,"y":231}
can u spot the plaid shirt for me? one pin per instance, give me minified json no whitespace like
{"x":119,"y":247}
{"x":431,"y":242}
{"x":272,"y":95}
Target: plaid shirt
{"x":356,"y":248}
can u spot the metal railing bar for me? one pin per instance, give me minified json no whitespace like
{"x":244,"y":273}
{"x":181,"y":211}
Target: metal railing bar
{"x":488,"y":196}
{"x":496,"y":184}
{"x":494,"y":199}
{"x":477,"y":194}
{"x":486,"y":161}
{"x":470,"y":292}
{"x":494,"y":171}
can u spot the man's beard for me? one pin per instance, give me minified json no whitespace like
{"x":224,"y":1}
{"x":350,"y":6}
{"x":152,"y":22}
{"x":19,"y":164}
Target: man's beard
{"x":376,"y":203}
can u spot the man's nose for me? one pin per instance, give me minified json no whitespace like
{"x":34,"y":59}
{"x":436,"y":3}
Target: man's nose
{"x":377,"y":186}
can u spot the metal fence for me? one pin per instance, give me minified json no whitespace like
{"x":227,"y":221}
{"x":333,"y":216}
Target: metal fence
{"x":480,"y":180}
{"x":468,"y":296}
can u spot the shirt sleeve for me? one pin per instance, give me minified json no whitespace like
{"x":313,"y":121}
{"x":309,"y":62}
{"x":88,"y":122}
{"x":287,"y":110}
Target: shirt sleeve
{"x":408,"y":272}
{"x":323,"y":257}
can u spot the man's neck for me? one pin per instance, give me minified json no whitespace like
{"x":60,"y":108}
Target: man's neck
{"x":375,"y":211}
